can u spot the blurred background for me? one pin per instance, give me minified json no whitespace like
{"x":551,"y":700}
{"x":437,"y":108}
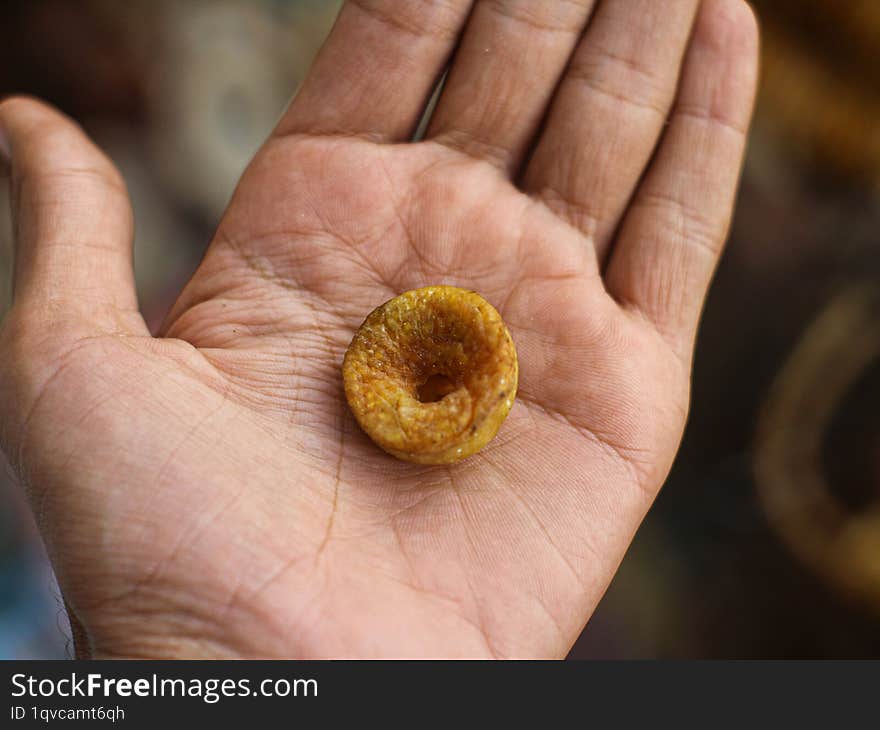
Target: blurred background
{"x":765,"y":542}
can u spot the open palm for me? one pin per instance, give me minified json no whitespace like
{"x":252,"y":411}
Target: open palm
{"x":206,"y":492}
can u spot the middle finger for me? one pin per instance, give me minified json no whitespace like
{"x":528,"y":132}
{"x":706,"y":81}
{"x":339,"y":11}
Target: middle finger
{"x":511,"y":57}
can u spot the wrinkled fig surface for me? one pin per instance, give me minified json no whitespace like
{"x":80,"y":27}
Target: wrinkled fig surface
{"x":431,"y":374}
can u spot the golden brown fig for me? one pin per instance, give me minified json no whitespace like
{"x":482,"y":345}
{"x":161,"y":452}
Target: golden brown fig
{"x":431,"y":374}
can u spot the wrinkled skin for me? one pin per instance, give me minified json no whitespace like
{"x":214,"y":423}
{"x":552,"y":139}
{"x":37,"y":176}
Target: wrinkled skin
{"x":205,"y":492}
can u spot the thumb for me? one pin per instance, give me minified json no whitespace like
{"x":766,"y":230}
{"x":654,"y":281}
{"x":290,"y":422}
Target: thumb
{"x":72,"y":223}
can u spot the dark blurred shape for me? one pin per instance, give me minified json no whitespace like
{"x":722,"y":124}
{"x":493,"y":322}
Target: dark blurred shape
{"x":817,"y":447}
{"x":820,"y":82}
{"x":73,"y":54}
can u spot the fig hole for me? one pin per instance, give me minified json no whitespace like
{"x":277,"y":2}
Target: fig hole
{"x":436,"y":388}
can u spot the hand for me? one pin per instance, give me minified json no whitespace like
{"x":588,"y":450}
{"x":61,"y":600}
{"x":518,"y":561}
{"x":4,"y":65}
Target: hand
{"x":206,"y":492}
